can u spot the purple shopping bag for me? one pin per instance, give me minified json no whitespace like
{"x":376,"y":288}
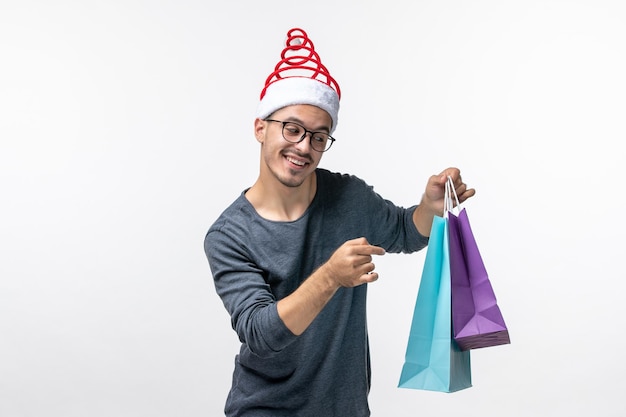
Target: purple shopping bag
{"x":477,"y":321}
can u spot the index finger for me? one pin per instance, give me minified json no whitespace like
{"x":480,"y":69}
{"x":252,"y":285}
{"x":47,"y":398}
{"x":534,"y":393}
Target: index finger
{"x":372,"y":250}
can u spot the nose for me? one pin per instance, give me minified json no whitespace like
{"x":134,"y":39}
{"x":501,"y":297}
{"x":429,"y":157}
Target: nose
{"x":305,"y":141}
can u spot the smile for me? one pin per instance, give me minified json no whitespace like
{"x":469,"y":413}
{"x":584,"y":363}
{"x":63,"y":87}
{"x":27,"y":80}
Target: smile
{"x":295,"y":161}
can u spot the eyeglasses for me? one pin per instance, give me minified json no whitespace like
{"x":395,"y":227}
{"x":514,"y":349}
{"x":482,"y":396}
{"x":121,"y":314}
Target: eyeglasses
{"x":295,"y":133}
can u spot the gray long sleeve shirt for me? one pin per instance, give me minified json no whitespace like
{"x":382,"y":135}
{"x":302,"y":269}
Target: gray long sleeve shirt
{"x":255,"y":262}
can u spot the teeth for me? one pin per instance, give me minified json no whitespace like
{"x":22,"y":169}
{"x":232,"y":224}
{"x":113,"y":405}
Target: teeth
{"x":294,"y":161}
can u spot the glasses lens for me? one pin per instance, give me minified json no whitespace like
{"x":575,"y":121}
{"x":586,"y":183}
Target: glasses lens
{"x":292,"y":132}
{"x":320,"y":141}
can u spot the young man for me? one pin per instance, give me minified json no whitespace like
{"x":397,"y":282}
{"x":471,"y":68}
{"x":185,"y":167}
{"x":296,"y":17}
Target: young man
{"x":292,"y":256}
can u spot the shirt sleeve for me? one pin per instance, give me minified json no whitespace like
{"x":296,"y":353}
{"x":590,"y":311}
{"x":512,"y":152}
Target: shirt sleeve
{"x":398,"y":231}
{"x":245,"y":294}
{"x":390,"y":226}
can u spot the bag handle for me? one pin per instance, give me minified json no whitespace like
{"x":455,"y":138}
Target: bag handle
{"x":448,"y":205}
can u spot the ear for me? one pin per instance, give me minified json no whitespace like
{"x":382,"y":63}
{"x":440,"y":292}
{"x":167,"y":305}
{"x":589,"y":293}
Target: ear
{"x":260,"y":127}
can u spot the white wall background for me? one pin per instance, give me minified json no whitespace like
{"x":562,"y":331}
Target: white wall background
{"x":126,"y":128}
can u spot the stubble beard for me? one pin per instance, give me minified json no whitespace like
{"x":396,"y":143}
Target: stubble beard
{"x":290,"y":178}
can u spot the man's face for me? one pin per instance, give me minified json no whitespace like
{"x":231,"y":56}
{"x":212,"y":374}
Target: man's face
{"x":290,"y":163}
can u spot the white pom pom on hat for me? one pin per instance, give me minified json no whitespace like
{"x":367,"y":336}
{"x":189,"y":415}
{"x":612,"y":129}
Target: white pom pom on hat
{"x":300,"y":78}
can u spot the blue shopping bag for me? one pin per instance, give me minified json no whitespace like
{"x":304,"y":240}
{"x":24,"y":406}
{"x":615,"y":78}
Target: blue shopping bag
{"x":433,"y":359}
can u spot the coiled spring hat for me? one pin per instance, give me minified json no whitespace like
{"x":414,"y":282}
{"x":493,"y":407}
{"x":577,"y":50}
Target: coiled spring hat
{"x":300,"y":78}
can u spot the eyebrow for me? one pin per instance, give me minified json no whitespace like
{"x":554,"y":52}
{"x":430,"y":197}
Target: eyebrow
{"x":294,"y":119}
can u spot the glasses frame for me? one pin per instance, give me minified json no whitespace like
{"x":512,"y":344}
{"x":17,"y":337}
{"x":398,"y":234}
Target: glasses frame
{"x":332,"y":140}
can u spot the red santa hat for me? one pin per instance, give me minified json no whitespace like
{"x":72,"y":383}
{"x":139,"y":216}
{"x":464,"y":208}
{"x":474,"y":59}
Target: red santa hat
{"x":300,"y":78}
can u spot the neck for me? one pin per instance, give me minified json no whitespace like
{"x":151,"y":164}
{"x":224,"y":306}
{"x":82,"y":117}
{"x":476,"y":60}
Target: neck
{"x":278,"y":202}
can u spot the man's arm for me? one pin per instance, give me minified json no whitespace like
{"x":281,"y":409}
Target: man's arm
{"x":349,"y":266}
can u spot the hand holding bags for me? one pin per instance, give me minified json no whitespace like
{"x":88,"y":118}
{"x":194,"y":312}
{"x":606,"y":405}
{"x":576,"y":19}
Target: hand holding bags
{"x":476,"y":318}
{"x":433,"y":360}
{"x":455,"y":310}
